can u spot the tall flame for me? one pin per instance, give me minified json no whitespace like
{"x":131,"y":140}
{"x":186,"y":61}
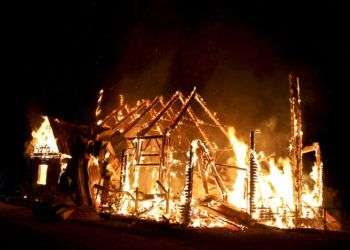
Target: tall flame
{"x":274,"y":195}
{"x":43,"y":139}
{"x":240,"y":150}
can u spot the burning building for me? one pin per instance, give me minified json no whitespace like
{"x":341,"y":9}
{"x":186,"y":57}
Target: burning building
{"x":173,"y":161}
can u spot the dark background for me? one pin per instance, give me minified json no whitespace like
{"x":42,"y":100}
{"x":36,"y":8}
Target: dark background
{"x":238,"y":56}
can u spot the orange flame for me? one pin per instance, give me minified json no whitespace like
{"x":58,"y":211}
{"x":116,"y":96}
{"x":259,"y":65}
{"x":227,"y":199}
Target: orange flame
{"x":44,"y":141}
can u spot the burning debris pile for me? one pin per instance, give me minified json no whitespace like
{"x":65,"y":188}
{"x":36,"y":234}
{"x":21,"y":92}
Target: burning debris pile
{"x":173,"y":161}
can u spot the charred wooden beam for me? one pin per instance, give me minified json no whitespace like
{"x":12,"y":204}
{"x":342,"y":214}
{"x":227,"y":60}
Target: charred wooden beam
{"x":106,"y":135}
{"x":82,"y":184}
{"x":253,"y":174}
{"x":315,"y":147}
{"x":122,"y":105}
{"x":131,"y":125}
{"x":182,"y":111}
{"x":185,"y":206}
{"x":111,"y":115}
{"x":162,"y":157}
{"x":159,"y":115}
{"x":211,"y":164}
{"x":196,"y":123}
{"x":149,"y":164}
{"x":204,"y":179}
{"x":149,"y":154}
{"x":98,"y":110}
{"x":124,"y":162}
{"x":132,"y":112}
{"x":296,"y":142}
{"x":169,"y":112}
{"x":145,"y":137}
{"x":230,"y":166}
{"x":210,"y":114}
{"x":137,"y":201}
{"x":219,"y":181}
{"x":167,"y":195}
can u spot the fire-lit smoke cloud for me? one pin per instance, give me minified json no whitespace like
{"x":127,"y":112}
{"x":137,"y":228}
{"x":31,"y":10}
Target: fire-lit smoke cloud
{"x":240,"y":74}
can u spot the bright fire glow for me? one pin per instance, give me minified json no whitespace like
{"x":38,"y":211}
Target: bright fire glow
{"x":240,"y":152}
{"x":44,"y":141}
{"x":274,"y":196}
{"x":161,"y":182}
{"x":42,"y":174}
{"x":45,"y":147}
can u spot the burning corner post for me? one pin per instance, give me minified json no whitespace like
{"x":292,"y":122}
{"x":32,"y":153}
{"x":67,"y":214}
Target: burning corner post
{"x":296,"y":143}
{"x":186,"y":197}
{"x":253,"y":173}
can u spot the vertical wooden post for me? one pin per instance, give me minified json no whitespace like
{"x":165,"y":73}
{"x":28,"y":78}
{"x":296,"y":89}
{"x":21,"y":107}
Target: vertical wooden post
{"x":252,"y":174}
{"x":324,"y":219}
{"x":185,"y":207}
{"x":162,"y":158}
{"x":136,"y":201}
{"x":296,"y":143}
{"x":204,"y":179}
{"x":123,"y":162}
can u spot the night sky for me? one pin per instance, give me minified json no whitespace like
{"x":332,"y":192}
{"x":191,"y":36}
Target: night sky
{"x":239,"y":57}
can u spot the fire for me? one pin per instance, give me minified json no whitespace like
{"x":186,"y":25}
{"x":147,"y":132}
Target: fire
{"x":274,"y":196}
{"x":157,"y":182}
{"x":311,"y":196}
{"x":240,"y":152}
{"x":162,"y":205}
{"x":275,"y":192}
{"x":44,"y":141}
{"x":160,"y":161}
{"x":45,"y":148}
{"x":98,"y":110}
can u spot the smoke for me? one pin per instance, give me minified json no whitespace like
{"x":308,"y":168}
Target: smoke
{"x":239,"y":73}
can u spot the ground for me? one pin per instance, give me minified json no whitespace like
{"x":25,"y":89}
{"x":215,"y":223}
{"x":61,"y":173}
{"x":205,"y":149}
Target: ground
{"x":19,"y":230}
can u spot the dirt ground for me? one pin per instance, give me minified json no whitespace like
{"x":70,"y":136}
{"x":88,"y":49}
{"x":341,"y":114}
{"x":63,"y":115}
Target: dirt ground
{"x":19,"y":230}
